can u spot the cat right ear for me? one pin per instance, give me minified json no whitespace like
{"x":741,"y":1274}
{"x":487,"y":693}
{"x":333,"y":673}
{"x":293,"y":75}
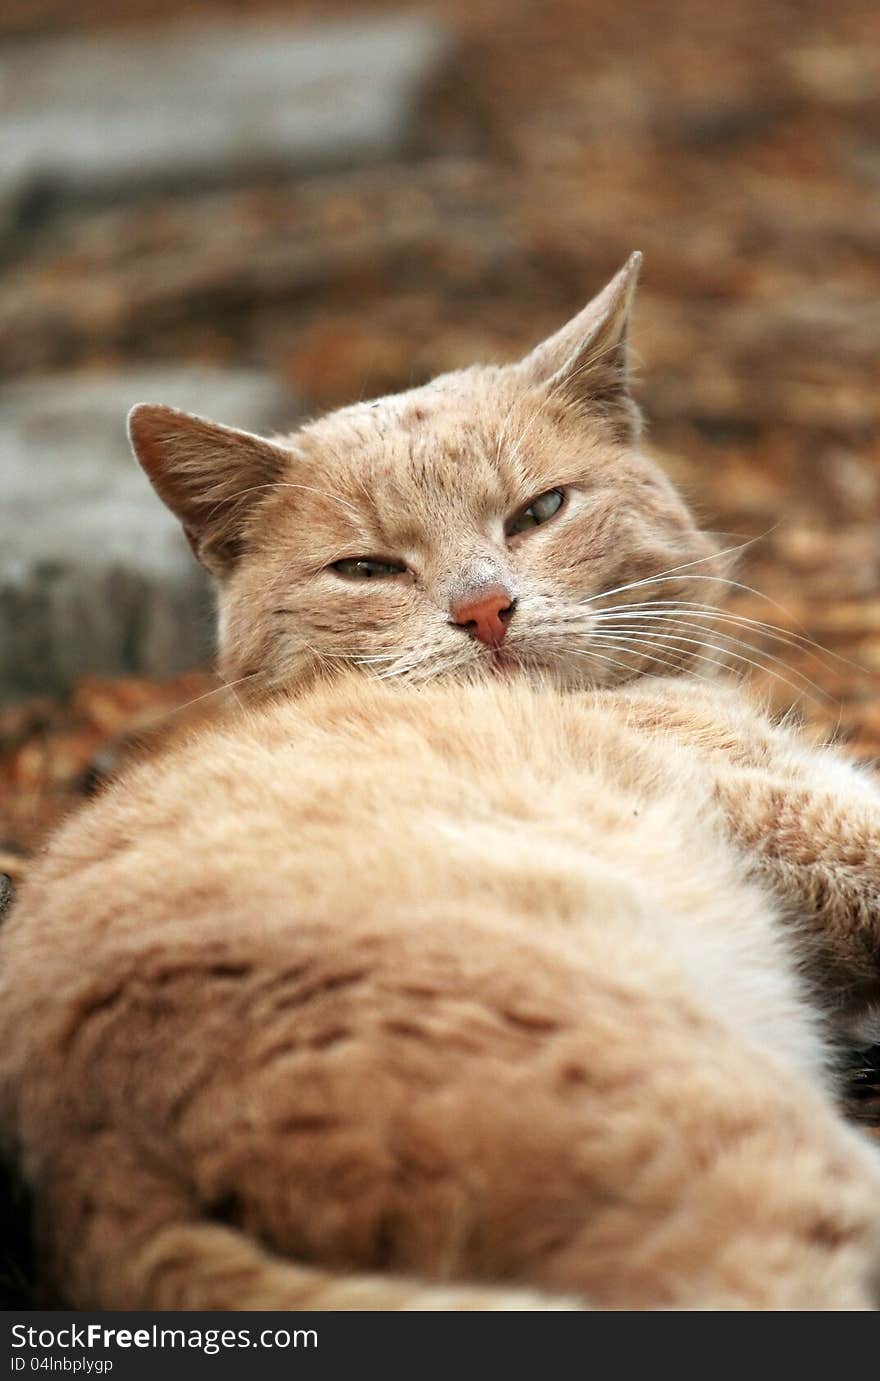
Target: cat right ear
{"x":586,"y":363}
{"x":210,"y":477}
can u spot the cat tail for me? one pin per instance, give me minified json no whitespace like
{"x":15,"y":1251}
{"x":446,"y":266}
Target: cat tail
{"x":205,"y":1266}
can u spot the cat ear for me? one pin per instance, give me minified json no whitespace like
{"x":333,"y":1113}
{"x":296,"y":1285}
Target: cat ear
{"x":208,"y":475}
{"x":587,"y":362}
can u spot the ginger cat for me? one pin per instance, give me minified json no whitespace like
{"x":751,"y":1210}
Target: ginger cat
{"x":488,"y":958}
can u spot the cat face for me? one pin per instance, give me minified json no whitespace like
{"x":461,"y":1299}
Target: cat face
{"x":495,"y":520}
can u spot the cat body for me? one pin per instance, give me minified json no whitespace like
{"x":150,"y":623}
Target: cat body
{"x":467,"y":965}
{"x":571,"y":1048}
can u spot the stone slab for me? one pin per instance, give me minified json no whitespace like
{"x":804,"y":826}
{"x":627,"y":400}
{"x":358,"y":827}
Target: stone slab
{"x":95,"y":575}
{"x":107,"y":115}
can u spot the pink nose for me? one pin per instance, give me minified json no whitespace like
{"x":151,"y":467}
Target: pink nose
{"x":486,"y":614}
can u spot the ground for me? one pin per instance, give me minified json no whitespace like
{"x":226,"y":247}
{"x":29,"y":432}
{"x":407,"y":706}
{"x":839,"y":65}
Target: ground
{"x":738,"y":147}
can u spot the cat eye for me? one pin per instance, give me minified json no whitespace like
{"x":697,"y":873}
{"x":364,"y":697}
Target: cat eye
{"x":366,"y":568}
{"x":538,"y":511}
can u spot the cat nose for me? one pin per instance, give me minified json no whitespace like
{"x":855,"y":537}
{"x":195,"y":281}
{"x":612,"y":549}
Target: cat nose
{"x":485,"y":614}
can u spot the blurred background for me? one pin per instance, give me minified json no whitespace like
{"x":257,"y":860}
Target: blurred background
{"x":262,"y":210}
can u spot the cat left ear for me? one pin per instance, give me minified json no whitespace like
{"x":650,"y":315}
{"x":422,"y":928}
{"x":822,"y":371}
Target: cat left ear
{"x":211,"y":477}
{"x":586,"y":363}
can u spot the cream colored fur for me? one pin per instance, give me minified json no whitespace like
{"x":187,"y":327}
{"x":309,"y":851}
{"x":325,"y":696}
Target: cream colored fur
{"x":467,"y":979}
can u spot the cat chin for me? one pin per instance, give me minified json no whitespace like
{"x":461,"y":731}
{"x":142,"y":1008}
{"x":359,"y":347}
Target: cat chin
{"x":554,"y":672}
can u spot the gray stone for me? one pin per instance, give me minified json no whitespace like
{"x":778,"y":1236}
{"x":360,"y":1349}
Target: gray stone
{"x":95,"y":575}
{"x":107,"y":115}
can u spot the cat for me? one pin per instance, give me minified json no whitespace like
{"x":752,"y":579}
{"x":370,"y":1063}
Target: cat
{"x":482,"y":959}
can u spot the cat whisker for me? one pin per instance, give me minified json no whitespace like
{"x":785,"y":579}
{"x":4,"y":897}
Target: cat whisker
{"x":713,"y":613}
{"x":226,"y":686}
{"x":667,"y":664}
{"x":640,"y":643}
{"x":339,"y":654}
{"x":639,"y":626}
{"x":402,"y":667}
{"x":591,"y":654}
{"x":284,"y":484}
{"x":504,"y":429}
{"x":671,"y":571}
{"x":367,"y":661}
{"x":662,"y":666}
{"x":807,"y":687}
{"x":543,"y":403}
{"x":589,"y":364}
{"x":668,"y":576}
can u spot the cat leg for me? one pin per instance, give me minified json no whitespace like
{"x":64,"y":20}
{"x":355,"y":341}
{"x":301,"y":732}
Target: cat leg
{"x":808,"y":823}
{"x":819,"y":850}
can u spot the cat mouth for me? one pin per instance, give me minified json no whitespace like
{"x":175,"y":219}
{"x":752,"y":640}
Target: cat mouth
{"x":502,"y":661}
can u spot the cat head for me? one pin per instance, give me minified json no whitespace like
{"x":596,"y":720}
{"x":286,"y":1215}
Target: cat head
{"x":500,"y":518}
